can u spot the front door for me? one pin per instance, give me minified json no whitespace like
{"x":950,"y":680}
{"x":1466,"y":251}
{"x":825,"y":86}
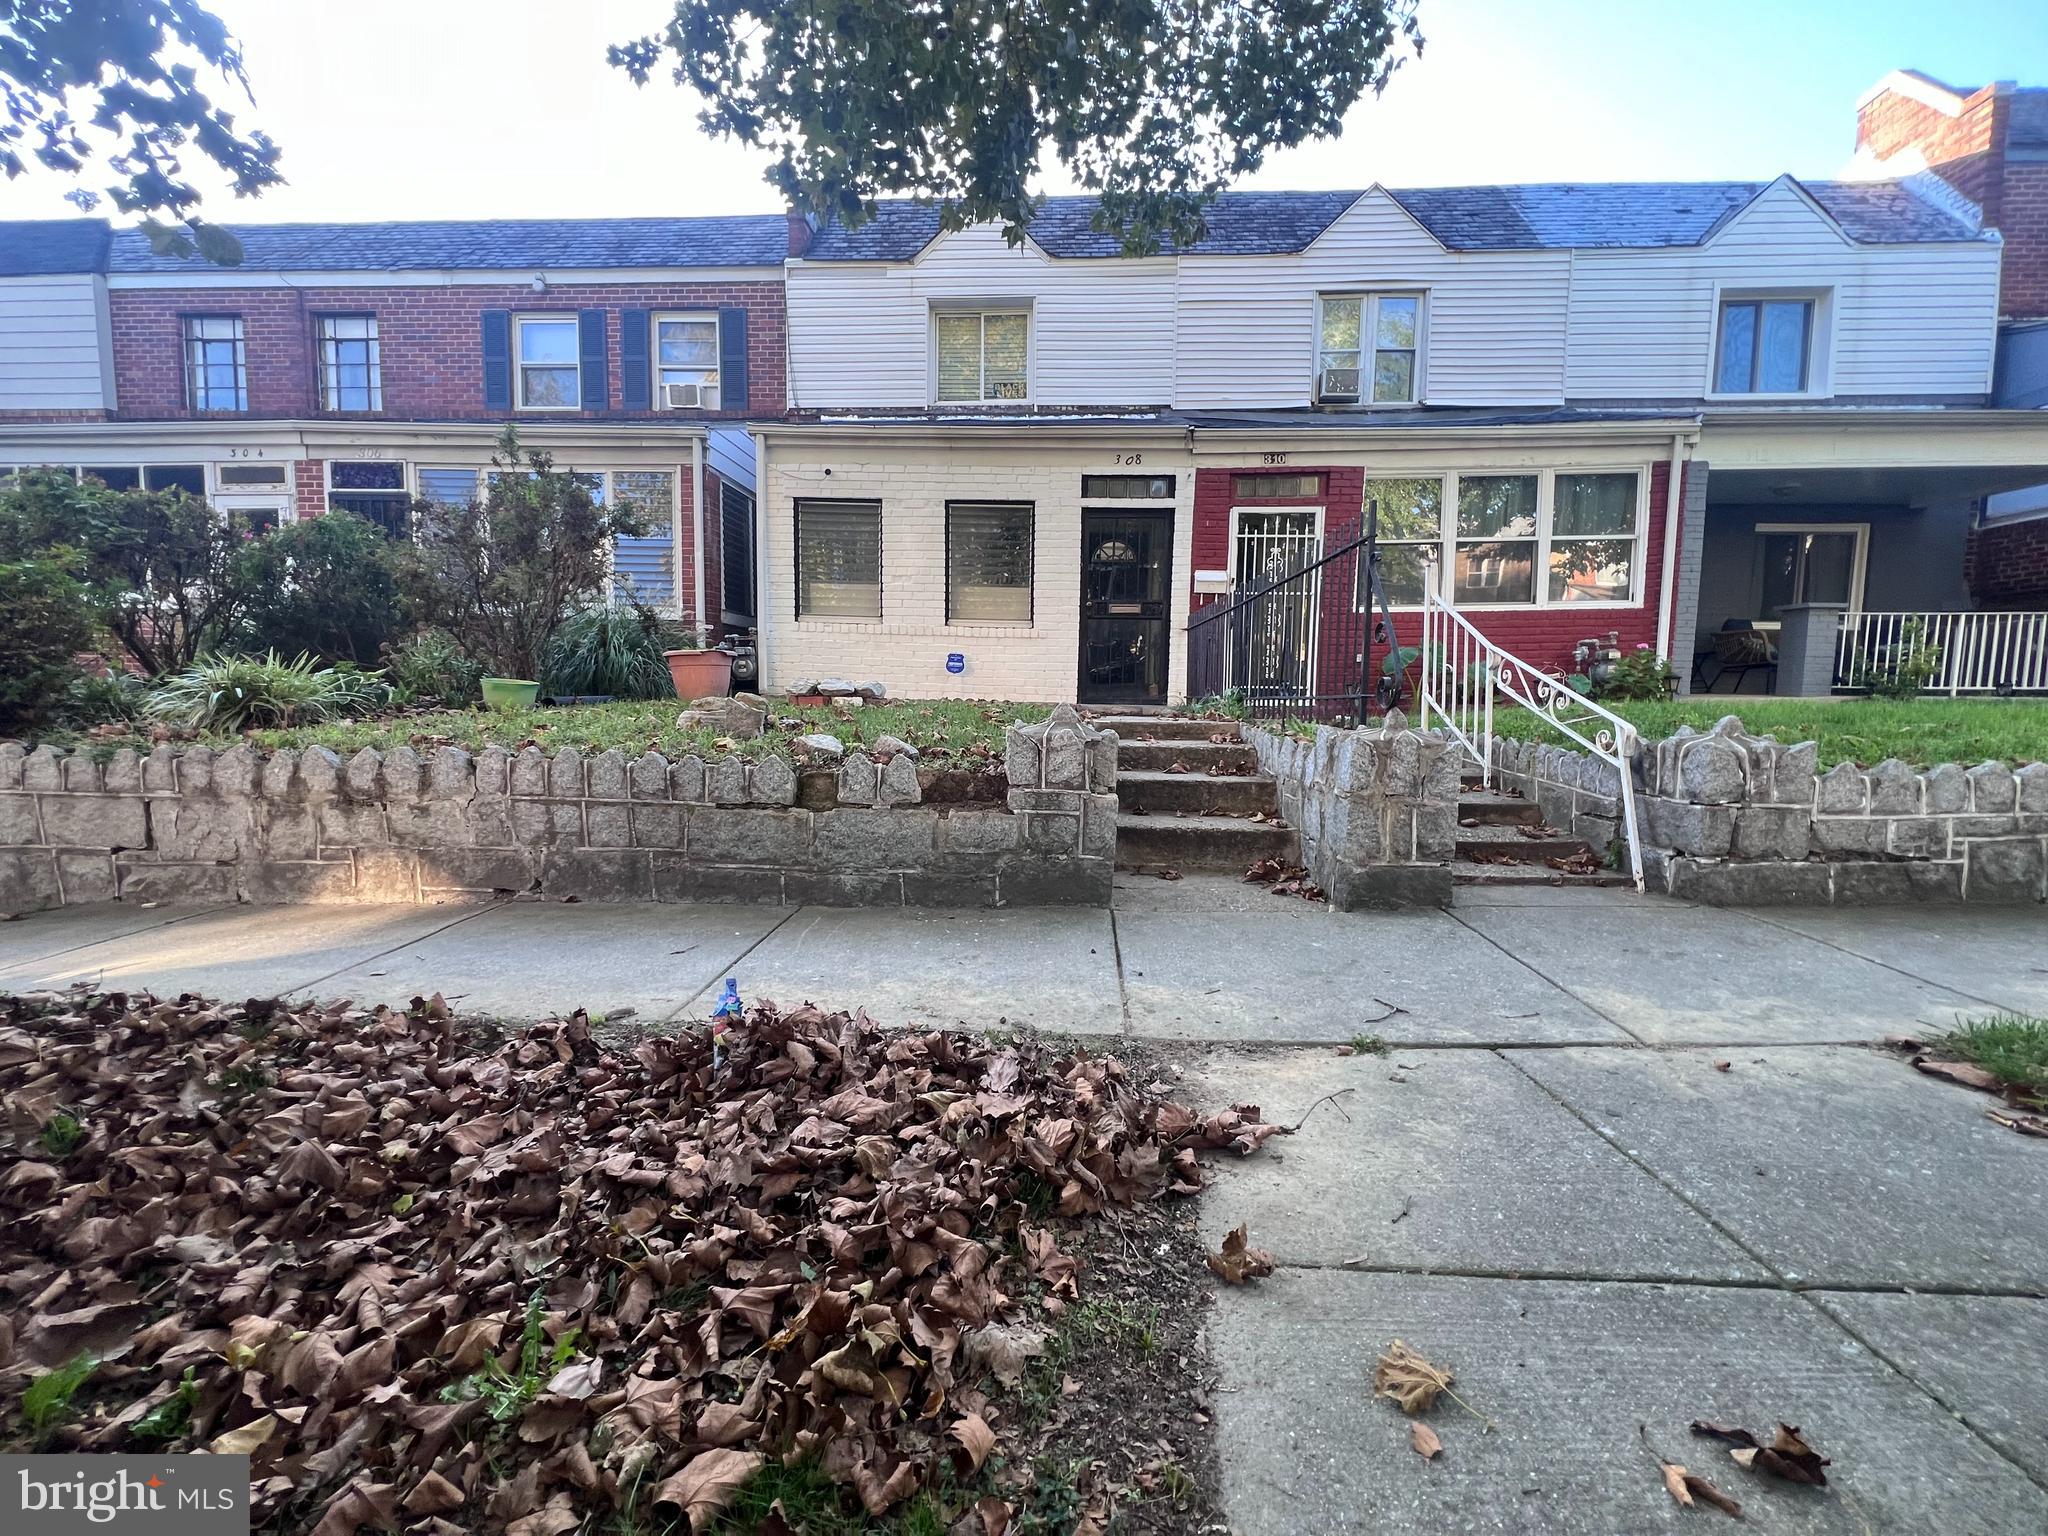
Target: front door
{"x":1126,"y":584}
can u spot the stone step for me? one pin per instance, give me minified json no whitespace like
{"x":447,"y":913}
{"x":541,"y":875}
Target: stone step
{"x":1493,"y":809}
{"x":1466,"y":872}
{"x":1143,"y":790}
{"x":1165,"y":727}
{"x":1192,"y":756}
{"x":1473,"y":841}
{"x":1188,"y":843}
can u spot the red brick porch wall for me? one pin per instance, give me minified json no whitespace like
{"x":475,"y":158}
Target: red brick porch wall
{"x":2007,"y":564}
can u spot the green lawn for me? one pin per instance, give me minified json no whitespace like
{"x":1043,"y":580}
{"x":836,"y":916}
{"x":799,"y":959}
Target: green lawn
{"x":945,"y":731}
{"x":1865,"y":731}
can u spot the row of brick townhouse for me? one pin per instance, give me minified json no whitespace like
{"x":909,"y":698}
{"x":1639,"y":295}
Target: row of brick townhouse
{"x":1688,"y":414}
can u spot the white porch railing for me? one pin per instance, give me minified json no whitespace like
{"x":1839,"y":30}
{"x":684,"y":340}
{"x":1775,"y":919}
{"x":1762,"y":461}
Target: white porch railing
{"x":1465,"y":677}
{"x":1979,"y":652}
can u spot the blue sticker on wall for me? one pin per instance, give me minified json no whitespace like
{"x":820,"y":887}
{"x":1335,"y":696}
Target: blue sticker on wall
{"x":956,"y":663}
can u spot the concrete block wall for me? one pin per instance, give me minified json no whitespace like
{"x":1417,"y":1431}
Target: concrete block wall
{"x":1376,"y":809}
{"x":1734,"y":819}
{"x":192,"y":825}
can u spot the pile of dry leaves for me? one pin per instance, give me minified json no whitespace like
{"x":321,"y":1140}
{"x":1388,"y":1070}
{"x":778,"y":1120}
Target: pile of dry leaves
{"x":458,"y":1281}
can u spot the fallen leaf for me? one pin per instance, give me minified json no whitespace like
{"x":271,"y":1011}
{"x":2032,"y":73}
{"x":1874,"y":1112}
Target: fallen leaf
{"x":1960,"y":1072}
{"x":1239,"y":1261}
{"x":1423,"y":1440}
{"x":2026,"y":1125}
{"x":1165,"y":873}
{"x":707,"y":1483}
{"x":1409,"y":1379}
{"x":976,"y":1440}
{"x":1685,"y":1487}
{"x":246,"y":1440}
{"x":1787,"y":1456}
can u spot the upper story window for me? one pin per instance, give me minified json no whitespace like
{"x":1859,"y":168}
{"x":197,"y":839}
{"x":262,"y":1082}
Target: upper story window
{"x":350,"y":375}
{"x":548,"y":374}
{"x":984,"y":356}
{"x":1765,"y":346}
{"x":1368,"y":347}
{"x":216,"y":363}
{"x":686,"y":362}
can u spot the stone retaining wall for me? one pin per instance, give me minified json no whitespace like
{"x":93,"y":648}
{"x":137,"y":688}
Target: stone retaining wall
{"x":1377,"y":810}
{"x":192,"y":825}
{"x":1734,"y":819}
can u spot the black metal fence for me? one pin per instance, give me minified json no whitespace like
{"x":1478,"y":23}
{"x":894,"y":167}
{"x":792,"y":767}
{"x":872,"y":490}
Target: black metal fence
{"x":1296,"y":639}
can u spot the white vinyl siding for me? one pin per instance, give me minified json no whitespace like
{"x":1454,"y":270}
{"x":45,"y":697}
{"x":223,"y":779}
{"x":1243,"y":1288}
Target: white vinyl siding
{"x":860,"y":333}
{"x":1495,"y":320}
{"x":55,"y":347}
{"x":1897,"y":319}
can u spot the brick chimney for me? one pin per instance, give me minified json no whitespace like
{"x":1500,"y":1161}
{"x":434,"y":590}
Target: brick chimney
{"x":1988,"y":142}
{"x":802,"y":226}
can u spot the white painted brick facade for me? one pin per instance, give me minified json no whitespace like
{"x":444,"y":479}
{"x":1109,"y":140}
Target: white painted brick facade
{"x":907,"y":649}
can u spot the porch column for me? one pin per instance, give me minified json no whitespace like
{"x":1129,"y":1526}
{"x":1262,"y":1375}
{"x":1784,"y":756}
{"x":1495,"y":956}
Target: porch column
{"x":1806,"y":649}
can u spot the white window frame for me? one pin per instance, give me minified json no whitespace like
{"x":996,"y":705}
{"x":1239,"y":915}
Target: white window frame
{"x":190,"y":336}
{"x":1446,"y":513}
{"x":1859,"y":568}
{"x":520,"y":365}
{"x":327,"y":373}
{"x":1546,"y":508}
{"x":1368,"y":331}
{"x":711,"y":374}
{"x":982,"y":313}
{"x":1820,"y":340}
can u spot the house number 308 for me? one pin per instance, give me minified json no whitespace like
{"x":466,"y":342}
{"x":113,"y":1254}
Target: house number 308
{"x":1130,"y":458}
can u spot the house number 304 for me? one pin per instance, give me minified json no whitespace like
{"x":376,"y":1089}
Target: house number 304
{"x":1130,"y":458}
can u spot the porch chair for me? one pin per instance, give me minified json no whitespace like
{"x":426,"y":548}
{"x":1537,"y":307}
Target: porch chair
{"x":1739,"y":648}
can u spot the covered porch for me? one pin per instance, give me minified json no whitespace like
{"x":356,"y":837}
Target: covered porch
{"x":1818,"y":574}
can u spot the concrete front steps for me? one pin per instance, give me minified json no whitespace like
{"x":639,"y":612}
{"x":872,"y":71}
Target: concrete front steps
{"x":1491,"y":822}
{"x":1187,"y":801}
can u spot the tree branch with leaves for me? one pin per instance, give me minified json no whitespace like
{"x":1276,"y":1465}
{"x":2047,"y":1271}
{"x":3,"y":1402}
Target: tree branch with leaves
{"x":128,"y":80}
{"x":1154,"y":105}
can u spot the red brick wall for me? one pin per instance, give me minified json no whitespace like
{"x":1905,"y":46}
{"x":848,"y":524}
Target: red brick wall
{"x":2007,"y":565}
{"x":430,"y":343}
{"x":309,"y":487}
{"x":1969,"y":152}
{"x":1543,"y":637}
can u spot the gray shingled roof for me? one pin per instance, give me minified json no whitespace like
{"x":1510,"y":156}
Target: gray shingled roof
{"x":53,"y":245}
{"x":1551,"y":216}
{"x":1240,"y":223}
{"x":748,"y":240}
{"x":2028,"y":123}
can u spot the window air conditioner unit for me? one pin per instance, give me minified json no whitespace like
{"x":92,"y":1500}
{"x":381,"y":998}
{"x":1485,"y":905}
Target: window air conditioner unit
{"x":690,"y":397}
{"x":1337,"y":386}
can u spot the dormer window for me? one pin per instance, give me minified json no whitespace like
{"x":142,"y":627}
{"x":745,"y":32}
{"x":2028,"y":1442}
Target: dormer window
{"x":982,"y":357}
{"x":1369,"y":347}
{"x":1765,"y":346}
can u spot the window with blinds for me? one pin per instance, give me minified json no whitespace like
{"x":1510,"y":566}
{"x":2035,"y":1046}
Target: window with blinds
{"x":839,"y":559}
{"x":988,"y":562}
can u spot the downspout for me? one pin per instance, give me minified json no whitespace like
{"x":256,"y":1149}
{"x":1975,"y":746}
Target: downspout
{"x":697,"y":532}
{"x":760,"y":543}
{"x":1674,"y":501}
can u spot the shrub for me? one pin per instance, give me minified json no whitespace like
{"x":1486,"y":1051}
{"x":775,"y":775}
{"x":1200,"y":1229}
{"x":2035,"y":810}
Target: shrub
{"x":1640,"y":674}
{"x":235,"y":693}
{"x":616,"y":651}
{"x":160,"y":566}
{"x":431,"y":667}
{"x":101,"y":698}
{"x":45,"y":621}
{"x":1900,"y":670}
{"x":324,"y":586}
{"x":501,"y":575}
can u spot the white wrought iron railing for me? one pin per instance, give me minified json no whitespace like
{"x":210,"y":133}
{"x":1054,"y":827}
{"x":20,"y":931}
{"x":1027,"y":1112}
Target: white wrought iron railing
{"x":1466,"y":678}
{"x":1961,"y":652}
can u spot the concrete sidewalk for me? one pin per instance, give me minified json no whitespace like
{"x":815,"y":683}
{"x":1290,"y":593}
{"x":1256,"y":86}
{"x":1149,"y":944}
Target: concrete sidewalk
{"x":1548,"y":1185}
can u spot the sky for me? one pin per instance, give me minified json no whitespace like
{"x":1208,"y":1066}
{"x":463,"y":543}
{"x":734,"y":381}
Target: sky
{"x":422,"y":109}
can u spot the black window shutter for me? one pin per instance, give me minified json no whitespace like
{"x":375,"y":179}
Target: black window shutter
{"x":635,"y":382}
{"x":732,"y":359}
{"x":596,"y":392}
{"x":497,"y":359}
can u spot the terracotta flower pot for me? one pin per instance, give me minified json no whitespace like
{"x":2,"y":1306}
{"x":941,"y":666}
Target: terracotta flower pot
{"x":697,"y":674}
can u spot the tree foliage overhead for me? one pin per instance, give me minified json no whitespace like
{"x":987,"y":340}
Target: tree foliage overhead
{"x":1154,"y":105}
{"x":124,"y":78}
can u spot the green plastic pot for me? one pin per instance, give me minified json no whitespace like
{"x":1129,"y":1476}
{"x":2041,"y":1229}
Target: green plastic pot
{"x":509,"y":693}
